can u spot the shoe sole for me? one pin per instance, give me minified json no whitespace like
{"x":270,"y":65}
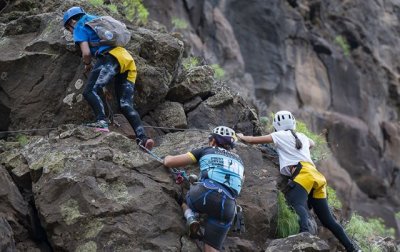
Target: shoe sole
{"x":149,"y":144}
{"x":101,"y":130}
{"x":194,"y":229}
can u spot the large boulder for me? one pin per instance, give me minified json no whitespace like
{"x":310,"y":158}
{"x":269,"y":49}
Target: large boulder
{"x":97,"y":190}
{"x":299,"y":243}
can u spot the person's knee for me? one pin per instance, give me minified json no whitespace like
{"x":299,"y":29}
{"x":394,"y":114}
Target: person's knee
{"x":124,"y":105}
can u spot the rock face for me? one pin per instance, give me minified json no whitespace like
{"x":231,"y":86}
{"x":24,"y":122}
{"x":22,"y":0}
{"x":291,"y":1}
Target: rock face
{"x":329,"y":62}
{"x":300,"y":242}
{"x":77,"y":190}
{"x":96,"y":191}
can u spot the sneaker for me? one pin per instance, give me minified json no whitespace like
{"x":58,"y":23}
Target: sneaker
{"x":100,"y":125}
{"x":147,"y":143}
{"x":354,"y":247}
{"x":193,"y":226}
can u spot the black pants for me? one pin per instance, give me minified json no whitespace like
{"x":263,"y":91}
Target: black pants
{"x":297,"y":197}
{"x":106,"y":68}
{"x":220,"y":211}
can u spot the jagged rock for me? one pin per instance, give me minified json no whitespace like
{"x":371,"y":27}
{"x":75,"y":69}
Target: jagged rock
{"x":7,"y":243}
{"x":99,"y":190}
{"x":313,"y":58}
{"x":170,"y":115}
{"x":198,"y":82}
{"x":17,"y":224}
{"x":190,"y":105}
{"x":224,"y":108}
{"x":297,"y":243}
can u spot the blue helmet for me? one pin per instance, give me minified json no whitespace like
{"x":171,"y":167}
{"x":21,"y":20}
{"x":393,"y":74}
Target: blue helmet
{"x":71,"y":12}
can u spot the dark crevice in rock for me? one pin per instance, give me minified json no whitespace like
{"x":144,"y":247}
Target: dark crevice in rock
{"x":37,"y":83}
{"x":315,"y":12}
{"x":3,"y":5}
{"x":351,"y":40}
{"x":38,"y":233}
{"x":395,"y":175}
{"x":293,"y":3}
{"x":5,"y":119}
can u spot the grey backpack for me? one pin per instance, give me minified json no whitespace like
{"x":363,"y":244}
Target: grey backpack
{"x":110,"y":31}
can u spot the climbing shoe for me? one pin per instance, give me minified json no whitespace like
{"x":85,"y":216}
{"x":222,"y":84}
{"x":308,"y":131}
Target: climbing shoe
{"x":193,"y":227}
{"x":100,"y":125}
{"x":147,"y":143}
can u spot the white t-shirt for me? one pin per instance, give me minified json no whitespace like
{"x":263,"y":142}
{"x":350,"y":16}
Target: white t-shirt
{"x":285,"y":144}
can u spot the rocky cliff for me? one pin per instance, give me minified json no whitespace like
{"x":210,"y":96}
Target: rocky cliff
{"x":70,"y":189}
{"x":333,"y":63}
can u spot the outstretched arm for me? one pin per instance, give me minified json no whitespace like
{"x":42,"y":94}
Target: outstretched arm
{"x":178,"y":160}
{"x":255,"y":139}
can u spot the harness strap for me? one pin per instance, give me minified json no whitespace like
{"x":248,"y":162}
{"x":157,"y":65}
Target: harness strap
{"x":223,"y":206}
{"x":296,"y":171}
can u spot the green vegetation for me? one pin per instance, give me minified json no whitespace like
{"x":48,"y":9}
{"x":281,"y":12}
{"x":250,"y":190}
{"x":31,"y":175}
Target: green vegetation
{"x":179,"y":23}
{"x":22,"y":140}
{"x":113,"y":8}
{"x":398,"y":215}
{"x":344,"y":44}
{"x":366,"y":231}
{"x":134,"y":9}
{"x":333,"y":200}
{"x":219,"y":73}
{"x":190,"y":62}
{"x":287,"y":219}
{"x":96,"y":3}
{"x":320,"y":151}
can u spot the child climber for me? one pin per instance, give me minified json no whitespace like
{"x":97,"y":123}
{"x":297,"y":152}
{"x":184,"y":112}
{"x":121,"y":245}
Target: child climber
{"x":221,"y":177}
{"x":307,"y":182}
{"x":110,"y":62}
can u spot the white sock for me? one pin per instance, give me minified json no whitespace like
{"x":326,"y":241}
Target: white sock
{"x":188,"y":213}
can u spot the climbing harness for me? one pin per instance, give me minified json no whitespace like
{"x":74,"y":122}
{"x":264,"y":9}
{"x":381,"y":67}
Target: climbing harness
{"x":238,"y":222}
{"x":180,"y":175}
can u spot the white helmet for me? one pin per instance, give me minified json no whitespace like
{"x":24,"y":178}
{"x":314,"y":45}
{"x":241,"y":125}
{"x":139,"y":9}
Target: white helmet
{"x":284,"y":120}
{"x":224,"y":131}
{"x":224,"y":136}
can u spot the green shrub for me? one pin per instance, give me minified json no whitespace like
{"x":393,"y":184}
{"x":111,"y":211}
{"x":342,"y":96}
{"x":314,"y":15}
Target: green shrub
{"x":219,"y":73}
{"x":22,"y":139}
{"x":96,"y":3}
{"x":264,"y":120}
{"x":179,"y":23}
{"x":134,"y":9}
{"x":333,"y":200}
{"x":398,"y":215}
{"x":367,"y":231}
{"x":113,"y":8}
{"x":288,"y":223}
{"x":321,"y":150}
{"x":344,"y":44}
{"x":190,"y":62}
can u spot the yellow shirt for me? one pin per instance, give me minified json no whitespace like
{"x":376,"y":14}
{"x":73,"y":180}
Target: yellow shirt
{"x":126,"y":62}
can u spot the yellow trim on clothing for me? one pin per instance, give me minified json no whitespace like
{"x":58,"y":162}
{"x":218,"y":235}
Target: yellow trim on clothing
{"x":192,"y":157}
{"x":126,"y":62}
{"x":310,"y":178}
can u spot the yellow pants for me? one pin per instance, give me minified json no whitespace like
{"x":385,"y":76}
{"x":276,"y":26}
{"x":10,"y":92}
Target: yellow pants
{"x":310,"y":178}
